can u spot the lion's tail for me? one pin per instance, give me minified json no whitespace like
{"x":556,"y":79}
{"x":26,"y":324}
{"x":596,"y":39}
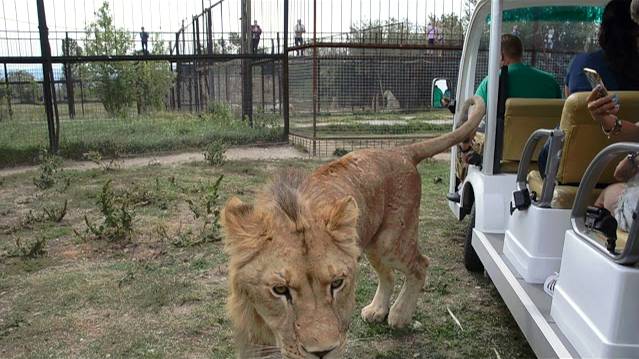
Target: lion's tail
{"x":428,"y":148}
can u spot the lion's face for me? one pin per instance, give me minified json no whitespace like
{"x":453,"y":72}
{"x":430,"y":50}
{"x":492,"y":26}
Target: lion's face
{"x":297,"y":276}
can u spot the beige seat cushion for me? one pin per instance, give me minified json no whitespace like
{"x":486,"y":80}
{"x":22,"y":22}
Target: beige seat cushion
{"x":584,"y":138}
{"x":523,"y":116}
{"x":563,"y":196}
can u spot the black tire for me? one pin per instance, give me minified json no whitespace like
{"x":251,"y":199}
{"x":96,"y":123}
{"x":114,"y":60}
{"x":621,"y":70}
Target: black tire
{"x":471,"y":260}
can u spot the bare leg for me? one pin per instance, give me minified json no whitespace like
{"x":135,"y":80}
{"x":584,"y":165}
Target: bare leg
{"x":609,"y":197}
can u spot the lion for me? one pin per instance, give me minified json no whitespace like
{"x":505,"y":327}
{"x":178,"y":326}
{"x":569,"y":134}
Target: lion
{"x":293,"y":255}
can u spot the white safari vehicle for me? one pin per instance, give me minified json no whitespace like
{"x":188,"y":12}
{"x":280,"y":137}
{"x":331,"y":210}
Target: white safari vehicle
{"x":523,"y":228}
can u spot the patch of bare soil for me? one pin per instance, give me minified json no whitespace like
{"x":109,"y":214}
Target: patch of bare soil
{"x":280,"y":152}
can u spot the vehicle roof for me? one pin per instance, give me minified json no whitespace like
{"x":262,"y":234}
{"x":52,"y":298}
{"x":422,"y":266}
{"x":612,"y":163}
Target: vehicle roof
{"x":514,"y":4}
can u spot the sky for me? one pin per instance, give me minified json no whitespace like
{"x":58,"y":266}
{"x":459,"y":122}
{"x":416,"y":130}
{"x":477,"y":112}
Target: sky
{"x":19,"y":22}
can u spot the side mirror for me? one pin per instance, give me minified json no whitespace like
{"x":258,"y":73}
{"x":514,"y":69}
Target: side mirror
{"x":441,"y":95}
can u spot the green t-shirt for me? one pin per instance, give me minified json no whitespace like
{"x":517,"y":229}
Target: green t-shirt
{"x":525,"y":82}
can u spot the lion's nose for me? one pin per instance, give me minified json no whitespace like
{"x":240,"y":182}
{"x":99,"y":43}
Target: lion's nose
{"x":320,"y":353}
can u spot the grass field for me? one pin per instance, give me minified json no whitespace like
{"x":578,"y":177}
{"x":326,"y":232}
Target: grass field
{"x":155,"y":297}
{"x":20,"y":141}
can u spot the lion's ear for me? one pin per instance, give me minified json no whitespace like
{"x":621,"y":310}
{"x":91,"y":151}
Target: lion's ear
{"x":343,"y":215}
{"x":238,"y":220}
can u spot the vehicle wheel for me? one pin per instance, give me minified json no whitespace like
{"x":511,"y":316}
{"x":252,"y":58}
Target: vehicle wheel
{"x":471,"y":260}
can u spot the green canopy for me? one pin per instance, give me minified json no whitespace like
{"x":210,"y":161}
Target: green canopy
{"x":554,"y":14}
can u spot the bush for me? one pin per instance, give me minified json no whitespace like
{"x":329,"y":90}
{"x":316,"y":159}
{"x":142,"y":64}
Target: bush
{"x":339,"y":152}
{"x":49,"y":170}
{"x":214,"y":153}
{"x":117,"y":224}
{"x":31,"y":249}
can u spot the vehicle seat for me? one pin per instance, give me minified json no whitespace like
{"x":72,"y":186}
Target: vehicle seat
{"x":583,"y":140}
{"x":522,"y":117}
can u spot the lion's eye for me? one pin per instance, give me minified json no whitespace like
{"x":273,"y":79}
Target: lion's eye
{"x":337,"y":283}
{"x":280,"y":290}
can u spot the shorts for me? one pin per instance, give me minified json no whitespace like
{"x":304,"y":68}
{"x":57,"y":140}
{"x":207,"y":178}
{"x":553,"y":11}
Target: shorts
{"x":626,"y":207}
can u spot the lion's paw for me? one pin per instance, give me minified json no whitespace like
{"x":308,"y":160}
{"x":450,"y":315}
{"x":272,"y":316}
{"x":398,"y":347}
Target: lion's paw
{"x":397,"y":319}
{"x":374,"y":313}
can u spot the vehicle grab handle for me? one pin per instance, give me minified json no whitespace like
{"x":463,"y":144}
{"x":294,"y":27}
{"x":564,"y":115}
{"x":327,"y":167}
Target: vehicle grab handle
{"x":630,"y":254}
{"x":554,"y":155}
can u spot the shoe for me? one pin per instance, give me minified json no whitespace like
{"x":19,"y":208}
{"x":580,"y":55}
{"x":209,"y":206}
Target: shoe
{"x":549,"y":284}
{"x":454,"y":197}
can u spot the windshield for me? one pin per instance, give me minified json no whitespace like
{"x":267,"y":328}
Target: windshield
{"x":551,"y":35}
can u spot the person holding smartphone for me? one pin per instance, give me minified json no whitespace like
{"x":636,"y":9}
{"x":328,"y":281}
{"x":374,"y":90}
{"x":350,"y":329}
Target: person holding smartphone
{"x":617,"y":62}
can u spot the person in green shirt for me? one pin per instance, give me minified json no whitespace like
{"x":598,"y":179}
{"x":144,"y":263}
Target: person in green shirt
{"x":523,"y":81}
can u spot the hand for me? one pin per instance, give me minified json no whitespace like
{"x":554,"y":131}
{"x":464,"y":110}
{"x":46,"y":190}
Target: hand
{"x":603,"y":109}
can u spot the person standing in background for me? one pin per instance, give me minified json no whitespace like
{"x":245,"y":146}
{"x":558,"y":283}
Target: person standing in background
{"x":256,"y":33}
{"x":144,"y":38}
{"x":299,"y":32}
{"x":432,"y":33}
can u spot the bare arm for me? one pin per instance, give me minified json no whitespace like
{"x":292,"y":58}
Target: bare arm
{"x":625,"y":170}
{"x":604,"y":110}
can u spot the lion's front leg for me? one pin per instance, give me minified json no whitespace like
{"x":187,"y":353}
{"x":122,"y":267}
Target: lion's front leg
{"x":377,"y":310}
{"x":395,"y":247}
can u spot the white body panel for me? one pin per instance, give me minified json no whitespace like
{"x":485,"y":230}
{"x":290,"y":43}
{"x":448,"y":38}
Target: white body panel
{"x":595,"y":302}
{"x":492,"y":199}
{"x":534,"y":241}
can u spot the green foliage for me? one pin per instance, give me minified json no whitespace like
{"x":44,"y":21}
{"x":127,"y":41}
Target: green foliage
{"x":27,"y":90}
{"x":56,"y":214}
{"x":49,"y":170}
{"x":206,"y":212}
{"x":117,"y":222}
{"x":214,"y":153}
{"x":108,"y":165}
{"x":152,"y":81}
{"x":29,"y":249}
{"x":119,"y":84}
{"x":221,"y":112}
{"x":339,"y":152}
{"x":112,"y":80}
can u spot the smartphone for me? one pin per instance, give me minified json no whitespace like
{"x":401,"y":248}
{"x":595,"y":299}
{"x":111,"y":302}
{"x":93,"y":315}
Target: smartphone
{"x":596,"y":82}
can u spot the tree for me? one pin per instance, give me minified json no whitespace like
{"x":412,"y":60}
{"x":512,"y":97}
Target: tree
{"x":111,"y":80}
{"x":23,"y":86}
{"x":152,"y":81}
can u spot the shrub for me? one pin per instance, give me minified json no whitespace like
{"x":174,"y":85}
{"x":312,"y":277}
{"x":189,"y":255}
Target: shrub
{"x":221,"y":111}
{"x":49,"y":170}
{"x":117,"y":222}
{"x":30,"y":249}
{"x":214,"y":153}
{"x":339,"y":152}
{"x":206,"y":211}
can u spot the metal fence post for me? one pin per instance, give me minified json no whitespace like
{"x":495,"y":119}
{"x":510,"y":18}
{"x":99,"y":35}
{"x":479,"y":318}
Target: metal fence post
{"x":284,"y":85}
{"x":8,"y":91}
{"x":68,"y":76}
{"x":314,"y":82}
{"x":47,"y":76}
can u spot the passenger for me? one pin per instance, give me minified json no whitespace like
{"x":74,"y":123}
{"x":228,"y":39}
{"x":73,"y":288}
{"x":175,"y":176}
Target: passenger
{"x":523,"y":82}
{"x":617,"y":62}
{"x":620,"y":198}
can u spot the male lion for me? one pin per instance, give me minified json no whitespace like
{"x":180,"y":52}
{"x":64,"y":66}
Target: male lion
{"x":293,"y":255}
